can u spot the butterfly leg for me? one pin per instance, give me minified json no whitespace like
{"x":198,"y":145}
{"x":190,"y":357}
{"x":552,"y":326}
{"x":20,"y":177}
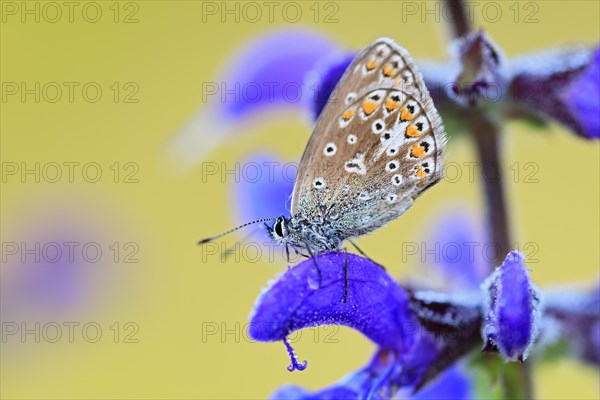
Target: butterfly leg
{"x":362,"y":253}
{"x":312,"y":255}
{"x":299,"y":253}
{"x":287,"y":255}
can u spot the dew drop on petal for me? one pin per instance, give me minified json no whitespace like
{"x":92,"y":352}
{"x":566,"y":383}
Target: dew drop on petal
{"x":313,"y":280}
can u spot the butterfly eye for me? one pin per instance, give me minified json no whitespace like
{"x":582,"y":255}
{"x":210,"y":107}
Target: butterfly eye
{"x":278,"y":228}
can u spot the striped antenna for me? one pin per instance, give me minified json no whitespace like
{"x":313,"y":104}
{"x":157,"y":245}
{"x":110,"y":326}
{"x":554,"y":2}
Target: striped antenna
{"x":210,"y":239}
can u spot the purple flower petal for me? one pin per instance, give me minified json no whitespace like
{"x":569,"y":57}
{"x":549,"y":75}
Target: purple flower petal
{"x":298,"y":393}
{"x":453,"y":383}
{"x":323,"y":80}
{"x":271,"y":70}
{"x":385,"y":377}
{"x":583,"y":97}
{"x":512,"y":309}
{"x":262,"y":188}
{"x":374,"y":377}
{"x":376,"y":306}
{"x":562,"y":84}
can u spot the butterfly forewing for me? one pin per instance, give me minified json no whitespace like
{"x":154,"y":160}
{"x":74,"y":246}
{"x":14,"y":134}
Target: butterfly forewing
{"x":376,"y":146}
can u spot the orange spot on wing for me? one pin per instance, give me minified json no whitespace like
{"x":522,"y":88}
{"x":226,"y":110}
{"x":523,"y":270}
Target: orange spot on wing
{"x":368,"y":107}
{"x":388,"y":71}
{"x":347,"y":114}
{"x":421,"y":182}
{"x":405,"y":115}
{"x":371,"y":64}
{"x":412,"y":131}
{"x":417,"y":151}
{"x":420,"y":173}
{"x":391,"y":105}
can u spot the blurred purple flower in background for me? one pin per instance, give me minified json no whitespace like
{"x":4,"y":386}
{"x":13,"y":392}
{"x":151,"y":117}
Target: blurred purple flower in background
{"x":49,"y":271}
{"x":461,"y":250}
{"x":563,"y":85}
{"x":266,"y":75}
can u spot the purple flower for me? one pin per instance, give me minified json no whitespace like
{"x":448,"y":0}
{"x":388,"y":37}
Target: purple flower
{"x":409,"y":356}
{"x":271,"y":71}
{"x":453,"y":383}
{"x":265,"y":76}
{"x":379,"y":379}
{"x":564,"y":85}
{"x":511,"y":310}
{"x":376,"y":306}
{"x":325,"y":77}
{"x":582,"y":97}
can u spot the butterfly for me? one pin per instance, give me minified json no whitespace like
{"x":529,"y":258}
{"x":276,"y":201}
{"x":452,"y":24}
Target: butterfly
{"x":376,"y":146}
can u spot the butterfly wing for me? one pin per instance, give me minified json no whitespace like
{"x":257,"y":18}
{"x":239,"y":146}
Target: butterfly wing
{"x":376,"y":146}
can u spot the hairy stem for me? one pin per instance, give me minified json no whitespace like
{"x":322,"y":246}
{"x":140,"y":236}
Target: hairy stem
{"x":486,"y":138}
{"x":516,"y":382}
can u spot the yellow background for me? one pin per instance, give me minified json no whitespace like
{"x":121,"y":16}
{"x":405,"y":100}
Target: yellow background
{"x":170,"y":293}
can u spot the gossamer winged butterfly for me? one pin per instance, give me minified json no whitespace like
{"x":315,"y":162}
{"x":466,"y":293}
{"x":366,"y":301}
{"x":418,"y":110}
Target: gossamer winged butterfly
{"x":376,"y":146}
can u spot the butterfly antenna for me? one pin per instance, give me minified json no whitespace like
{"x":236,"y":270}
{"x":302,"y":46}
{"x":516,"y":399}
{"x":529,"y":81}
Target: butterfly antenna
{"x":210,"y":239}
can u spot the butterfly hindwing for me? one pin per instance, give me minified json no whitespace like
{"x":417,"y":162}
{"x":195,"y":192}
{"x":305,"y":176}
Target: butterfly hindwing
{"x":376,"y":145}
